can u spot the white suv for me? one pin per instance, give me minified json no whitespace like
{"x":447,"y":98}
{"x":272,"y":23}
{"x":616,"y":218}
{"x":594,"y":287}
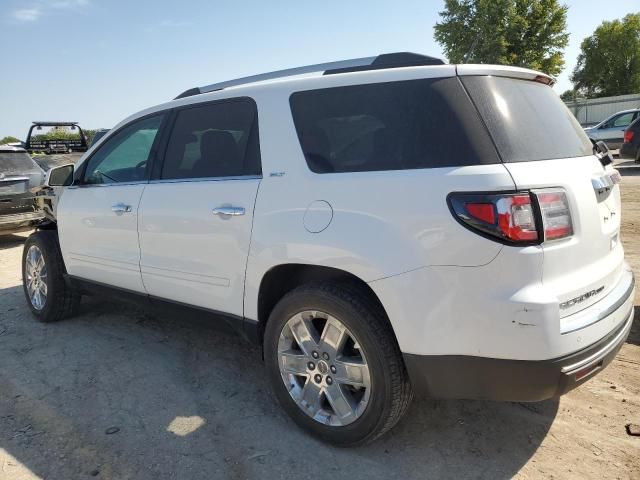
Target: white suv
{"x":386,"y":226}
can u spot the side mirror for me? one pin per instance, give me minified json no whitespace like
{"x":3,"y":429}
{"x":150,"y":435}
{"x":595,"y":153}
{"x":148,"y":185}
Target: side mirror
{"x":60,"y":176}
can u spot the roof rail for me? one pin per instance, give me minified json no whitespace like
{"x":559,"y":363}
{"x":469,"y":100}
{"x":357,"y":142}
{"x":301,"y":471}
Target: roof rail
{"x":387,"y":60}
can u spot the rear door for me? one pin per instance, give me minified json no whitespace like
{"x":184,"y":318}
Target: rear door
{"x":98,"y":214}
{"x":543,"y":147}
{"x":196,"y":215}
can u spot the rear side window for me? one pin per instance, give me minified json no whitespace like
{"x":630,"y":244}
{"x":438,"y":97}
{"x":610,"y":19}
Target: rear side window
{"x":213,"y":140}
{"x":404,"y":125}
{"x":527,"y":120}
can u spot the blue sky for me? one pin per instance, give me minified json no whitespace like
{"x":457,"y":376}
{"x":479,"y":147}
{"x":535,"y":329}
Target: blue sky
{"x":97,"y":61}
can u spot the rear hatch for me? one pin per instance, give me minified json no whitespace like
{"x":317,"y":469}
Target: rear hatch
{"x":544,"y":149}
{"x":20,"y":177}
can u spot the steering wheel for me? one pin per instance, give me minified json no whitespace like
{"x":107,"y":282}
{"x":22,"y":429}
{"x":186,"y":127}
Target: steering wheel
{"x":141,"y":164}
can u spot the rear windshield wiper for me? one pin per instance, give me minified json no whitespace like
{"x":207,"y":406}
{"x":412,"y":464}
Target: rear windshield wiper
{"x":601,"y":150}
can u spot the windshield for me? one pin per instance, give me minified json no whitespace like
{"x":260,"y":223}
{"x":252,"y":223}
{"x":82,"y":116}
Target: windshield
{"x":527,"y":120}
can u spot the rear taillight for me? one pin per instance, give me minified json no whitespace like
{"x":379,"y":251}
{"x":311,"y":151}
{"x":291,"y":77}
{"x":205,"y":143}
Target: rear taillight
{"x":523,"y":218}
{"x":628,"y":136}
{"x":516,"y":220}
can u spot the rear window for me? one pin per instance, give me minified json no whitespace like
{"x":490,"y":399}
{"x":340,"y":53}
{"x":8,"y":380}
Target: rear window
{"x":16,"y":163}
{"x":527,"y":120}
{"x":404,"y":125}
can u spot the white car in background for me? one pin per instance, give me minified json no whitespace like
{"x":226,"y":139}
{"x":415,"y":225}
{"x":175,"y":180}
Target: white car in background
{"x":386,"y":226}
{"x":611,"y":130}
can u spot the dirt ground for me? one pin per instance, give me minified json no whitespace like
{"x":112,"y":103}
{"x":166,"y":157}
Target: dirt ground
{"x":120,"y":393}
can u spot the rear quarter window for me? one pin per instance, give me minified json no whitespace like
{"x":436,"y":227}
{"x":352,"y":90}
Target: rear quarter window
{"x":526,"y":119}
{"x":413,"y":124}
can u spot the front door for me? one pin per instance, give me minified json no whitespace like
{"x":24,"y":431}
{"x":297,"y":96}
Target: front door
{"x":98,"y":214}
{"x":196,"y":216}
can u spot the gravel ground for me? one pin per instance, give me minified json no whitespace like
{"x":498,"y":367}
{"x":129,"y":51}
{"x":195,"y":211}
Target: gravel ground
{"x":119,"y":393}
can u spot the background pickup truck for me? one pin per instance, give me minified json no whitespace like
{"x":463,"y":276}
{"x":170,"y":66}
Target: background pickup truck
{"x":61,"y":138}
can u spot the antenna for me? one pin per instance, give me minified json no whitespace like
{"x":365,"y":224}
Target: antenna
{"x":471,"y":49}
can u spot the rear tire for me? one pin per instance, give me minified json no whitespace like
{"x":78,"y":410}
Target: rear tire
{"x":48,"y":294}
{"x":376,"y":372}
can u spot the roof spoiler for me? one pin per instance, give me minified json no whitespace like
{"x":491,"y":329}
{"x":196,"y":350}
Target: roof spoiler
{"x":387,"y":60}
{"x":505,"y":71}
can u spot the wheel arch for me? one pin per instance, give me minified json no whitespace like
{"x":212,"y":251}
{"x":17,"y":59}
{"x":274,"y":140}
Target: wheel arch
{"x":283,"y":278}
{"x":47,"y":225}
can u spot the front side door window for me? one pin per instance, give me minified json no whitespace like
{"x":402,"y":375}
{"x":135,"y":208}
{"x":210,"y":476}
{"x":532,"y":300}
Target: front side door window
{"x":124,"y":157}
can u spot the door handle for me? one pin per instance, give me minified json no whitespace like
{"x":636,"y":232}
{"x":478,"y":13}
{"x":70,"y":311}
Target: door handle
{"x":231,"y":211}
{"x":121,"y":208}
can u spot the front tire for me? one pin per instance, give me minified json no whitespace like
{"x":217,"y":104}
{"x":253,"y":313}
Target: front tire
{"x":48,"y":295}
{"x":334,"y":364}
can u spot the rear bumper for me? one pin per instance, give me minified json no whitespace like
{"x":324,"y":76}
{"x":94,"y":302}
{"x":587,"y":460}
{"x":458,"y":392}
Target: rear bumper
{"x":458,"y":376}
{"x":17,"y":222}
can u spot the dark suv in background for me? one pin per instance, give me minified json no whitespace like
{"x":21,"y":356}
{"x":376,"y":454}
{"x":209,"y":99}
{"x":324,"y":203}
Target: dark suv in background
{"x":631,"y":144}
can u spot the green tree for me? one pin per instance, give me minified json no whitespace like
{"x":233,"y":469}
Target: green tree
{"x":526,"y":33}
{"x":9,"y":139}
{"x":609,"y":60}
{"x":569,"y":95}
{"x":89,"y":134}
{"x":56,"y":135}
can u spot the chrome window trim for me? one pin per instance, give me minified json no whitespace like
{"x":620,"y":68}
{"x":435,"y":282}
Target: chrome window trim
{"x":169,"y":180}
{"x":206,"y":179}
{"x":114,"y":184}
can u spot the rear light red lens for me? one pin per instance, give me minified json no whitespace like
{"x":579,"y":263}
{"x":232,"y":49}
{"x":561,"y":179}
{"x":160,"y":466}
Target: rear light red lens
{"x":524,"y":218}
{"x":482,"y":211}
{"x":628,"y":136}
{"x":585,"y":372}
{"x":543,"y":79}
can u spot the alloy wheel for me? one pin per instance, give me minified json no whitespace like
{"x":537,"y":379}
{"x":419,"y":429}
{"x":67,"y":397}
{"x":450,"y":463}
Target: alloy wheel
{"x":323,"y":368}
{"x":36,"y":273}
